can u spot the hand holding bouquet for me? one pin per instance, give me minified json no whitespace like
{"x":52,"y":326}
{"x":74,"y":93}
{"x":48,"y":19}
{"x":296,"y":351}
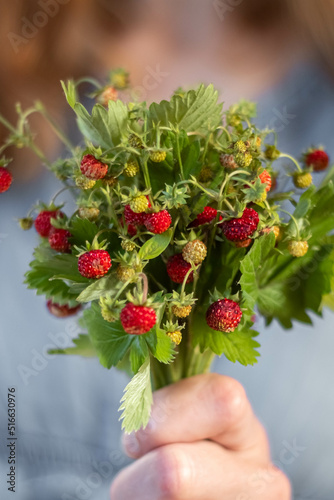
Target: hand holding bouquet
{"x":180,"y":235}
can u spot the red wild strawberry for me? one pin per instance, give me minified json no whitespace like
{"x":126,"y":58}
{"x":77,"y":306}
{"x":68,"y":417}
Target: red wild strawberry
{"x":5,"y":179}
{"x":242,"y":228}
{"x":93,"y":168}
{"x":317,"y":159}
{"x":224,"y":315}
{"x":158,"y":222}
{"x":134,"y":218}
{"x":137,"y":320}
{"x":62,"y":311}
{"x":177,"y":269}
{"x":205,"y":217}
{"x":58,"y":240}
{"x":43,"y":221}
{"x":94,"y":264}
{"x":266,"y":179}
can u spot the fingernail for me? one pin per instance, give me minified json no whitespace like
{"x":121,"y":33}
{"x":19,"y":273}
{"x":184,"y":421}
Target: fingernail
{"x":131,"y":445}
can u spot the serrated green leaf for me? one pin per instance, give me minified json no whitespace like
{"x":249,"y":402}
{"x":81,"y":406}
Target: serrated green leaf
{"x":110,"y":341}
{"x":44,"y":268}
{"x":161,"y":346}
{"x":196,"y":111}
{"x":83,"y":347}
{"x":251,"y":267}
{"x":236,"y":346}
{"x":105,"y":127}
{"x":82,"y":230}
{"x":70,"y":92}
{"x":137,"y":400}
{"x":99,"y":288}
{"x":191,"y":160}
{"x":153,"y":247}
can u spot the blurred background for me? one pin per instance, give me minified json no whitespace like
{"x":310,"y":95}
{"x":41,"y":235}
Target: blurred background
{"x":277,"y":52}
{"x":242,"y":46}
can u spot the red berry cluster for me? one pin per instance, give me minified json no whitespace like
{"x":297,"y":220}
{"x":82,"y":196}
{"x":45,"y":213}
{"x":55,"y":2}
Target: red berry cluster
{"x":241,"y":228}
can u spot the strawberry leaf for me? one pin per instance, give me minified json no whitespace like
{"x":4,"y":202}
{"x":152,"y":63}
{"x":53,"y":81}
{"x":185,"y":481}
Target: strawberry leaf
{"x":196,"y":111}
{"x":43,"y":270}
{"x":109,"y":340}
{"x":236,"y":346}
{"x":153,"y":247}
{"x":137,"y":400}
{"x":83,"y":347}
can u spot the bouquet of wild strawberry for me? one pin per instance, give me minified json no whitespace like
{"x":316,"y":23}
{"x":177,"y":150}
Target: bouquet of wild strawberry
{"x":179,"y":235}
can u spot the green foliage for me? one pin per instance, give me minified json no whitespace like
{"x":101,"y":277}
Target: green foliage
{"x":197,"y":110}
{"x":154,"y":247}
{"x":99,"y":288}
{"x":137,"y":400}
{"x":110,"y":341}
{"x":43,"y":270}
{"x":83,"y":347}
{"x":236,"y":346}
{"x":105,"y":127}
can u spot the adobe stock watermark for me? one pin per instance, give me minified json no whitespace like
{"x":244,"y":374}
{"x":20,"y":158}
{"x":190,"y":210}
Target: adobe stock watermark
{"x":261,"y":479}
{"x":154,"y":76}
{"x":31,"y":27}
{"x":223,"y":7}
{"x":103,"y":471}
{"x":41,"y":358}
{"x":281,"y":119}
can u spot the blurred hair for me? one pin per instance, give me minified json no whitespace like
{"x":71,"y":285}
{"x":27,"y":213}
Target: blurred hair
{"x":316,"y":18}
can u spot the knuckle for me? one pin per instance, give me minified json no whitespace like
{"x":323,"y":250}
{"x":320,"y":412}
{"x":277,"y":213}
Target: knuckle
{"x":174,"y":472}
{"x":229,"y":397}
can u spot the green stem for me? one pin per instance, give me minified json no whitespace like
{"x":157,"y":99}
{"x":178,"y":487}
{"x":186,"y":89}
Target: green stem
{"x":293,"y":219}
{"x":147,"y":179}
{"x":60,"y":134}
{"x":284,"y":155}
{"x":178,"y":152}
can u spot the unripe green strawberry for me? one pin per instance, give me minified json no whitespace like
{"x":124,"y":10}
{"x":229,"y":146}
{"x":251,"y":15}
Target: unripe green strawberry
{"x":125,"y":273}
{"x":26,"y":223}
{"x":110,"y":181}
{"x":139,"y":204}
{"x":128,"y":245}
{"x":175,"y":336}
{"x":271,"y":152}
{"x":90,"y":213}
{"x":240,"y":147}
{"x":84,"y":183}
{"x":302,"y":180}
{"x":108,"y":314}
{"x":298,"y":248}
{"x":135,"y":141}
{"x":181,"y":311}
{"x":194,"y":251}
{"x":243,"y":159}
{"x":131,"y":168}
{"x":206,"y":174}
{"x":158,"y":156}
